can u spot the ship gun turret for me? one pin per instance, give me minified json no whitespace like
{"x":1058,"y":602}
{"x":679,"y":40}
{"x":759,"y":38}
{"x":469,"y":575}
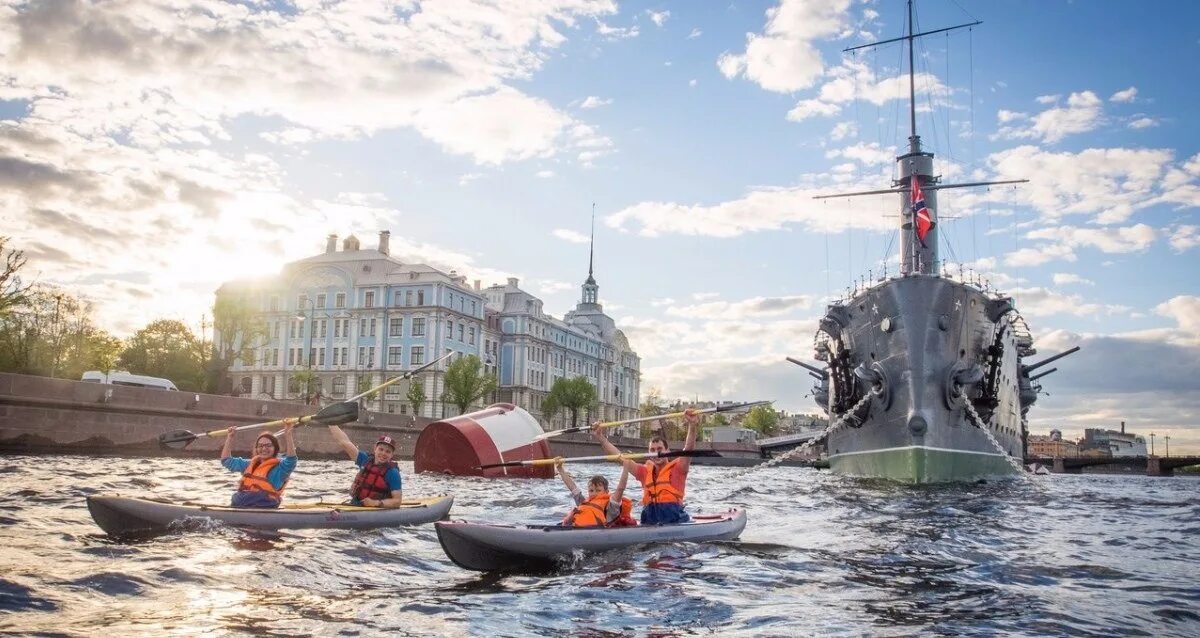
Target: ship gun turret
{"x":1034,"y":366}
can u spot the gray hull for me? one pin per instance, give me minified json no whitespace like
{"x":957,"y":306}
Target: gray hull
{"x":922,"y":346}
{"x":505,"y":547}
{"x":122,"y":516}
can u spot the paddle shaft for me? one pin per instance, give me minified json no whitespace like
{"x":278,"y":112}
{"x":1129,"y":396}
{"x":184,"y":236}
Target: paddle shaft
{"x":630,"y":456}
{"x":643,"y":419}
{"x":406,"y":375}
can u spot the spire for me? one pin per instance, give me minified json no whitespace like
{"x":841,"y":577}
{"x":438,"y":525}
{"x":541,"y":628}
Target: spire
{"x":591,"y":291}
{"x":592,"y":246}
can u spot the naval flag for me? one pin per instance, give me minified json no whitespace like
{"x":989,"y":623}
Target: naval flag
{"x":924,"y":220}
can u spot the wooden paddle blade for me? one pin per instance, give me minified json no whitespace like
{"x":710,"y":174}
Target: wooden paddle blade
{"x":337,"y":413}
{"x":176,"y":440}
{"x":553,"y":433}
{"x":689,"y":453}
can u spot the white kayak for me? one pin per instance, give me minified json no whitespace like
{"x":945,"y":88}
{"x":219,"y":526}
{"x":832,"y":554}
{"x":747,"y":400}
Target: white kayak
{"x":512,"y":547}
{"x":121,"y":515}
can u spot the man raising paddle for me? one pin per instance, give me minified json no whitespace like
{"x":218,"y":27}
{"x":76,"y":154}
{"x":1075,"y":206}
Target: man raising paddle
{"x":265,"y":474}
{"x":378,"y":482}
{"x":663,"y":479}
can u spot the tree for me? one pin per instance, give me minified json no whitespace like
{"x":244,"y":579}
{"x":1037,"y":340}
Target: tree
{"x":51,"y":333}
{"x":550,"y":407}
{"x":416,"y":395}
{"x":762,"y":419}
{"x":237,"y":332}
{"x":165,"y":348}
{"x":465,"y":382}
{"x":12,"y":291}
{"x":572,"y":395}
{"x":306,"y":382}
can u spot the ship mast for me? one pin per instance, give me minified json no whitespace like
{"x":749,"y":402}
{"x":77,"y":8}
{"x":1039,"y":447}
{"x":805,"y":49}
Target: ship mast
{"x":918,"y":221}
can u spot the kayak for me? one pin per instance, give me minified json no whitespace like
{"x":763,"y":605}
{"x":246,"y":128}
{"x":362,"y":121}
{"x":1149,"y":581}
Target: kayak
{"x":484,"y":548}
{"x":120,"y":515}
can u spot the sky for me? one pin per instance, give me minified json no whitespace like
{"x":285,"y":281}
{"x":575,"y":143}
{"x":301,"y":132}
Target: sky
{"x":152,"y":149}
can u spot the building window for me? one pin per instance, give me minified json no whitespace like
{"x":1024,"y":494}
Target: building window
{"x":339,"y":300}
{"x":246,"y":385}
{"x":362,"y":327}
{"x":273,"y":304}
{"x":321,"y":327}
{"x":449,"y":328}
{"x":420,"y":297}
{"x":395,"y":357}
{"x":269,"y":385}
{"x":345,"y":356}
{"x":337,"y":328}
{"x":302,"y":302}
{"x":321,"y":300}
{"x":275,"y":330}
{"x":320,"y":356}
{"x":408,"y":297}
{"x":369,"y":300}
{"x":392,"y":392}
{"x":418,"y":327}
{"x":372,"y":332}
{"x":371,"y":356}
{"x":275,"y":357}
{"x":362,"y":355}
{"x":417,"y":356}
{"x":396,"y":327}
{"x":339,"y":387}
{"x":472,"y":307}
{"x":471,"y":335}
{"x":460,"y":332}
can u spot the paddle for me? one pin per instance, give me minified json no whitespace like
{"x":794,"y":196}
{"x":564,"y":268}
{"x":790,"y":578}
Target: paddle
{"x":333,"y":414}
{"x":609,"y":457}
{"x":672,"y":415}
{"x":383,"y":385}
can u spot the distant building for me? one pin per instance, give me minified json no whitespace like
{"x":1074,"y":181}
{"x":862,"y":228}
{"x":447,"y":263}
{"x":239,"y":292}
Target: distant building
{"x":1096,"y":442}
{"x":369,"y":317}
{"x":1052,"y":446}
{"x":733,"y":435}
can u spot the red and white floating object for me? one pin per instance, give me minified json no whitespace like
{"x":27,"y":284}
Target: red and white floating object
{"x":499,"y":433}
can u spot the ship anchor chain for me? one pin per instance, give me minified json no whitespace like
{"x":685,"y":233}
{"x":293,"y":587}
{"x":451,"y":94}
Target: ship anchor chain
{"x":841,"y":421}
{"x":979,"y":423}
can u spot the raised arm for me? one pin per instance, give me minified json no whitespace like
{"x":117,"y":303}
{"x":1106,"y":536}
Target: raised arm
{"x":620,"y":491}
{"x":289,"y":439}
{"x":566,"y":477}
{"x":609,"y":448}
{"x":692,"y":421}
{"x":227,"y":449}
{"x":344,"y":442}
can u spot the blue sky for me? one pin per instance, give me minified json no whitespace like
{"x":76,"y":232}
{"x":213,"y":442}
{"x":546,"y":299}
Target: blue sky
{"x":152,"y":149}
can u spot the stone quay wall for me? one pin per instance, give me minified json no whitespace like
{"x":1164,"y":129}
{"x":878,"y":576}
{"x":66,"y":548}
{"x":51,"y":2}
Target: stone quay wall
{"x":44,"y":415}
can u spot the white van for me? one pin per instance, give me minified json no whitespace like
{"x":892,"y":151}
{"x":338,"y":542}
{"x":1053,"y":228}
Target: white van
{"x":118,"y":377}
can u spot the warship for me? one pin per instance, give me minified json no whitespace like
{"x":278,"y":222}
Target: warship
{"x":924,"y":376}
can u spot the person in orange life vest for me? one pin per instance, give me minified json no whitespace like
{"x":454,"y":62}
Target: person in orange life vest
{"x":601,"y":508}
{"x":265,"y":473}
{"x":663,"y":480}
{"x":378,"y":483}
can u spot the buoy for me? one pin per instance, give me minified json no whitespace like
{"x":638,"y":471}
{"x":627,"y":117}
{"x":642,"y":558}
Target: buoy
{"x":499,"y":433}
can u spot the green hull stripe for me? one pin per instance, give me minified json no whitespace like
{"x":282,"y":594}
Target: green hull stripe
{"x":921,"y":465}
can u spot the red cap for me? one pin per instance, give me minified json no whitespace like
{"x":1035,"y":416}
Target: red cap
{"x":387,"y":440}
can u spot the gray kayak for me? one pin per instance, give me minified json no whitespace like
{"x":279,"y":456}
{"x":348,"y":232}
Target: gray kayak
{"x":121,"y":516}
{"x":513,"y":547}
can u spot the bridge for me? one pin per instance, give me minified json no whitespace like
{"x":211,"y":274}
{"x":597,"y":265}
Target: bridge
{"x":1152,"y":465}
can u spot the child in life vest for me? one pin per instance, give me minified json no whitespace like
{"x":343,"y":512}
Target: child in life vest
{"x":601,"y":508}
{"x":265,"y":473}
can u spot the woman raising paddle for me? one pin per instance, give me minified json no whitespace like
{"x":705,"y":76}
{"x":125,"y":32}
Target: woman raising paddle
{"x":663,"y":479}
{"x":265,"y":474}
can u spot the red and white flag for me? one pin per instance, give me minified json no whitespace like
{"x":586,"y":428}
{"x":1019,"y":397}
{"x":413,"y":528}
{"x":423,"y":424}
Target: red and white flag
{"x":921,"y":216}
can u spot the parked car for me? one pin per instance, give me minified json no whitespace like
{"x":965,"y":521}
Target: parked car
{"x":120,"y":377}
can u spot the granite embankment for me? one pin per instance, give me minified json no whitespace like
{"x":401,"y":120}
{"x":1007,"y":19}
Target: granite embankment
{"x":44,"y":415}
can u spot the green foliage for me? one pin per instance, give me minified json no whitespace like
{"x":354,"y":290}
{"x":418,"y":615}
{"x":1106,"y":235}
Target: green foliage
{"x":550,"y":407}
{"x":165,"y":348}
{"x":306,"y":383}
{"x":466,"y":383}
{"x":238,"y":331}
{"x":366,"y":383}
{"x":762,"y":419}
{"x":50,"y":333}
{"x":416,"y":395}
{"x":12,"y":291}
{"x":572,"y":395}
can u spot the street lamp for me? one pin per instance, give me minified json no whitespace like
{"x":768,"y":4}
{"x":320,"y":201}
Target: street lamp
{"x":1151,"y":444}
{"x":1167,"y":438}
{"x":312,"y":327}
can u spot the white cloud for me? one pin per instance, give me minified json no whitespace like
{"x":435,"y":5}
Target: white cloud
{"x":1185,"y":310}
{"x":1048,"y":99}
{"x":544,"y":174}
{"x":1128,"y":95}
{"x":858,"y":80}
{"x":782,"y":58}
{"x":692,"y":83}
{"x":551,"y":286}
{"x":659,"y":18}
{"x":1185,"y":237}
{"x":1143,"y":122}
{"x":658,"y":303}
{"x":865,"y":154}
{"x":1039,"y":255}
{"x":696,"y":32}
{"x":1110,"y":240}
{"x":702,"y":296}
{"x":1042,"y":302}
{"x":592,"y":102}
{"x":616,"y":33}
{"x":1065,"y":278}
{"x":842,"y":130}
{"x":754,"y":307}
{"x":570,"y":236}
{"x":1084,"y":112}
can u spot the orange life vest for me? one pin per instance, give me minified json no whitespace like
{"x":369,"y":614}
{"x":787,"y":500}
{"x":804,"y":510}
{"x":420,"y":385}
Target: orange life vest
{"x":594,"y":512}
{"x":254,"y":478}
{"x":657,"y":488}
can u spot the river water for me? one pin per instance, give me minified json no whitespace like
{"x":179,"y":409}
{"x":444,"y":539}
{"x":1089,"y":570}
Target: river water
{"x":1087,"y":555}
